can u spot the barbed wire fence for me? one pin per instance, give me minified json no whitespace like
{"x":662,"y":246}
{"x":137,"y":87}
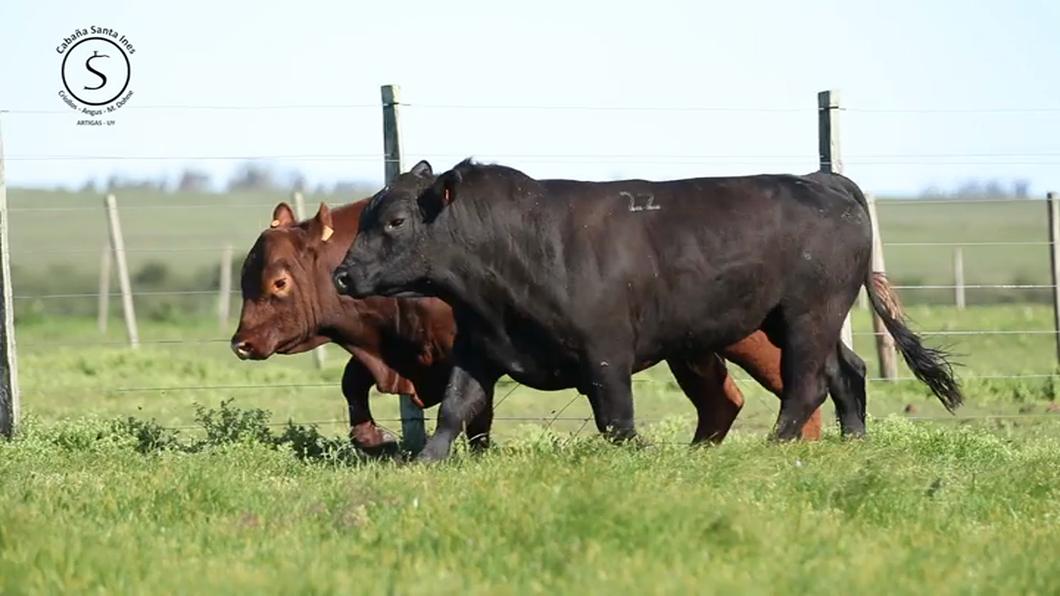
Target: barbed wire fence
{"x":393,"y":158}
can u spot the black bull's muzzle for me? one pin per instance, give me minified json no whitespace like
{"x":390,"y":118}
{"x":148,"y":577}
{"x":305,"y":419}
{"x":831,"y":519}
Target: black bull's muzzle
{"x":341,"y":278}
{"x":352,"y":279}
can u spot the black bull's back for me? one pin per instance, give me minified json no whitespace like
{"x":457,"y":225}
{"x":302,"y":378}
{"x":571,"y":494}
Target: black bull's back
{"x":658,"y":268}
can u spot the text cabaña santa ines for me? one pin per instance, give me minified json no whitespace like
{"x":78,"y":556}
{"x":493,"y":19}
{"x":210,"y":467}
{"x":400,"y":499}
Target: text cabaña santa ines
{"x":95,"y":31}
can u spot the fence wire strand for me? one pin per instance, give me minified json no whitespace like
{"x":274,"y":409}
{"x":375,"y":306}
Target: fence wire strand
{"x":15,"y":111}
{"x":67,"y":390}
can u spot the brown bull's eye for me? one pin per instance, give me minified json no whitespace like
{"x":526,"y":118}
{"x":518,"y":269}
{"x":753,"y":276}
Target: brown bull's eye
{"x":281,"y":284}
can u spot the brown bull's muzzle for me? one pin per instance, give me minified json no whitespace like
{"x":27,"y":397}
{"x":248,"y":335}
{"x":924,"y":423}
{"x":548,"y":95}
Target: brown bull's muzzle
{"x":247,"y":348}
{"x":241,"y":349}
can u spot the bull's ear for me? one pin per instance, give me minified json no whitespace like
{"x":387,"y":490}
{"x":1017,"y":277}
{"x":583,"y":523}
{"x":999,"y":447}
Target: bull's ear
{"x":322,"y":223}
{"x":422,"y":169}
{"x":282,"y":216}
{"x":440,"y":195}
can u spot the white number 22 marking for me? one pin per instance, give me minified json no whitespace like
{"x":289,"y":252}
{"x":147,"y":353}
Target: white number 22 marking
{"x":647,"y":202}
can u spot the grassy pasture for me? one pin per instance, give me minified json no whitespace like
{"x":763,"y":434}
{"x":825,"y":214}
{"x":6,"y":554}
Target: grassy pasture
{"x":235,"y":500}
{"x":916,"y":509}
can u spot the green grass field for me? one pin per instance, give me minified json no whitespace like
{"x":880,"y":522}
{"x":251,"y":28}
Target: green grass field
{"x":199,"y":496}
{"x":916,"y":510}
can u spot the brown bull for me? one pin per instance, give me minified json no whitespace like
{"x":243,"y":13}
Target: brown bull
{"x":290,"y":306}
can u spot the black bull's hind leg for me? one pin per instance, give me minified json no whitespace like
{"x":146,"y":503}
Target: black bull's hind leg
{"x":808,"y":343}
{"x":846,"y":372}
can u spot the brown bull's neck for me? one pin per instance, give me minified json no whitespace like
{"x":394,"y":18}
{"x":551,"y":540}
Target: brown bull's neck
{"x":420,"y":328}
{"x":344,"y":320}
{"x":345,"y":220}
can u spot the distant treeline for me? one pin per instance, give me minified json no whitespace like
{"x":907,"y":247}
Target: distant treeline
{"x":975,"y":188}
{"x":248,"y":176}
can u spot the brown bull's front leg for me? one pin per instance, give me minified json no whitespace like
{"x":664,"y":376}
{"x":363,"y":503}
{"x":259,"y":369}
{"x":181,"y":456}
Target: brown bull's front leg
{"x":365,"y":434}
{"x":707,"y":384}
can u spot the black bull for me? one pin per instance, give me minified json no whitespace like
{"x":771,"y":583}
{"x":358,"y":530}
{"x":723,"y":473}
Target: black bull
{"x":564,"y":283}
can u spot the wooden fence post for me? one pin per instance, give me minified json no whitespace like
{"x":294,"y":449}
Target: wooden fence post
{"x":9,"y":395}
{"x":1053,"y":202}
{"x":224,"y":293}
{"x":104,"y":289}
{"x":413,"y":429}
{"x":117,"y":244}
{"x":958,"y":277}
{"x":320,"y":354}
{"x":828,"y":150}
{"x":884,"y":341}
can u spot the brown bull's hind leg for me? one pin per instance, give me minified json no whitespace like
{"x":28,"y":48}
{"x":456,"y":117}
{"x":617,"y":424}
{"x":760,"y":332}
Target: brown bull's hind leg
{"x":707,"y":384}
{"x":811,"y":431}
{"x":761,"y":359}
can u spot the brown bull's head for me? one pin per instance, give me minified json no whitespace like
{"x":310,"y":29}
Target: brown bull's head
{"x":286,"y":286}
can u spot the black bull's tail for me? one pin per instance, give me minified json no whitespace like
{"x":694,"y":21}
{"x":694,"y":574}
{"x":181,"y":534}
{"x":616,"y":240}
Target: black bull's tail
{"x":929,"y":365}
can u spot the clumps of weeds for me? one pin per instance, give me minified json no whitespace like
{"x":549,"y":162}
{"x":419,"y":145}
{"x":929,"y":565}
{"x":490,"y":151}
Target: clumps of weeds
{"x":215,"y":428}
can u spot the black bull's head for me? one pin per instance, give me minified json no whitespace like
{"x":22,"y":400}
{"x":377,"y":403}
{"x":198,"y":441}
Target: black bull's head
{"x":388,"y":256}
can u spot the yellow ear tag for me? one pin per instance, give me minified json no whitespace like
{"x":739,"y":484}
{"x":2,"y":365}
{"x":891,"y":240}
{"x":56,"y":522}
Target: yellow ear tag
{"x":326,"y":234}
{"x":274,"y":223}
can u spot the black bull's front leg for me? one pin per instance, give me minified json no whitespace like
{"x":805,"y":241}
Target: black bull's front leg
{"x":468,"y":401}
{"x":372,"y":440}
{"x":610,"y":394}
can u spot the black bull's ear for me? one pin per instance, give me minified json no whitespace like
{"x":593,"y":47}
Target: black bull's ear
{"x":422,"y":169}
{"x":440,"y":194}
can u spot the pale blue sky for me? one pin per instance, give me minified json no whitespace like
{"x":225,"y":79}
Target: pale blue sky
{"x":898,"y":55}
